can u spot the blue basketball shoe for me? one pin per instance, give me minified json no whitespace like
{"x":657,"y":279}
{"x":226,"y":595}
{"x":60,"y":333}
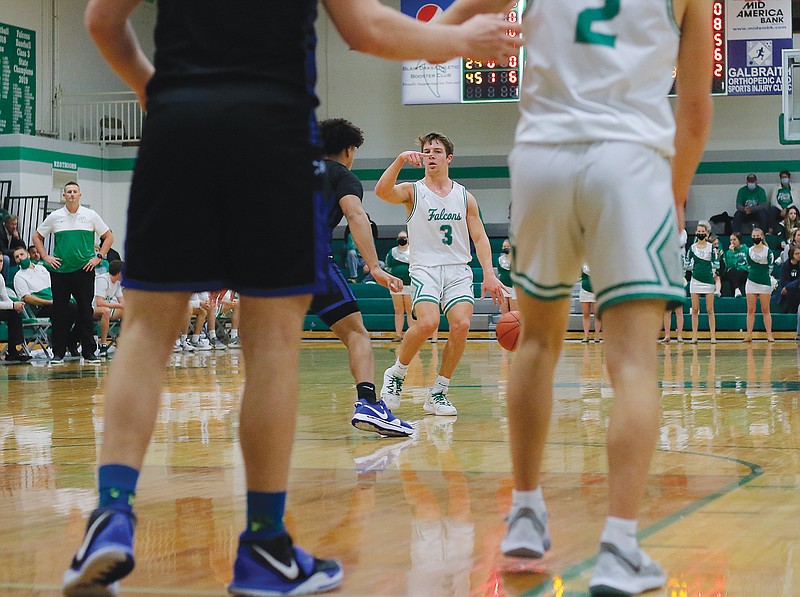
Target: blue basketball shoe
{"x":276,"y":567}
{"x":378,"y":418}
{"x":105,"y":556}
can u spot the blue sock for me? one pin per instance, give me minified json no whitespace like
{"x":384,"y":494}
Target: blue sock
{"x":117,"y":486}
{"x":265,"y":514}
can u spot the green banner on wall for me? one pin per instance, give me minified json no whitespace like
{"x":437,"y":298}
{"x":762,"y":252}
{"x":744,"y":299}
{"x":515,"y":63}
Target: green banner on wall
{"x":17,"y":80}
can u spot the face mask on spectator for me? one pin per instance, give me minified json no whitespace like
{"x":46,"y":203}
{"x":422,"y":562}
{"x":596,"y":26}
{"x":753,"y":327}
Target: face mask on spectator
{"x":25,"y":263}
{"x":402,"y":242}
{"x":757,"y":241}
{"x":784,"y":181}
{"x":751,"y":186}
{"x":700,"y":236}
{"x":506,"y":251}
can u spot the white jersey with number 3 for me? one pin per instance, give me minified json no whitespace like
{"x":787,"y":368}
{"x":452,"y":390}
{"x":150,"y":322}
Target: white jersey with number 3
{"x":599,"y":70}
{"x":437,"y":227}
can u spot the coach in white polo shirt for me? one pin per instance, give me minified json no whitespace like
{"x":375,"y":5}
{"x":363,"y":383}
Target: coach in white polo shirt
{"x":72,"y":267}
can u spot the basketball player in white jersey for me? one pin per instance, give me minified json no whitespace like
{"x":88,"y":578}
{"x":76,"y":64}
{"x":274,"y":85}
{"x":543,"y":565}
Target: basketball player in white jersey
{"x":596,"y":129}
{"x":442,"y":217}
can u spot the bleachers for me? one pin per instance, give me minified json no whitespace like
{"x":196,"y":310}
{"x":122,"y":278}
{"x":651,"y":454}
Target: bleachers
{"x":376,"y":304}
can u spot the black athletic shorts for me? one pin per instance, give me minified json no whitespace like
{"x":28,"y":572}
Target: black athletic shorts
{"x":337,"y":301}
{"x":226,"y":188}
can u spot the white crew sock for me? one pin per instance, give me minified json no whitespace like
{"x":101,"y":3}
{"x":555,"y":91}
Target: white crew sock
{"x":532,"y":499}
{"x":441,"y":385}
{"x":234,"y":333}
{"x":195,"y":338}
{"x":400,"y":369}
{"x":620,"y":532}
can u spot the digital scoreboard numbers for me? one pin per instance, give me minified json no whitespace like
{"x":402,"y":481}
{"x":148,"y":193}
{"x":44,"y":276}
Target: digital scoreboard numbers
{"x":718,"y":86}
{"x":494,"y":81}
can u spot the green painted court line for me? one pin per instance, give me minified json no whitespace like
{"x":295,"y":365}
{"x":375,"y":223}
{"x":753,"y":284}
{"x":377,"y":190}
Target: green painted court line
{"x":576,"y":570}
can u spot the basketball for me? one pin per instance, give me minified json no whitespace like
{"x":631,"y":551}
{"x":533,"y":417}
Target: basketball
{"x":507,"y":330}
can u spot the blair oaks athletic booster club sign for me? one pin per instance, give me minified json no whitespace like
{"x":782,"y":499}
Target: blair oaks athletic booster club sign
{"x":756,"y":32}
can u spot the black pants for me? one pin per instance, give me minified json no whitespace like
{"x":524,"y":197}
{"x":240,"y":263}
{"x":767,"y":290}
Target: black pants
{"x":759,"y":216}
{"x":80,"y":285}
{"x":13,"y":321}
{"x":737,"y":279}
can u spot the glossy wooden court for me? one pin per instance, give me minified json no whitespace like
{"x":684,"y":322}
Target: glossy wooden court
{"x":423,"y":516}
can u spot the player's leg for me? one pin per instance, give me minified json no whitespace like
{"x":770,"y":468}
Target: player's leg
{"x":458,"y":321}
{"x":548,"y":253}
{"x":634,"y":283}
{"x":529,"y":402}
{"x":271,"y":329}
{"x":632,"y":363}
{"x":427,"y":321}
{"x":132,"y":393}
{"x":767,"y":315}
{"x":370,"y":414}
{"x":633,"y":369}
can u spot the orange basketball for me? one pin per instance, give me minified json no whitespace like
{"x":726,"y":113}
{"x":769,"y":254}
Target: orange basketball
{"x":507,"y":330}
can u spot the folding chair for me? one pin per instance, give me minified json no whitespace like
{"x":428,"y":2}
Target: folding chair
{"x":34,"y":329}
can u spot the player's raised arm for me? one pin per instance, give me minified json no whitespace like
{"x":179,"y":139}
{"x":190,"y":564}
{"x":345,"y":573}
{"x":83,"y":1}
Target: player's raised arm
{"x":693,"y":110}
{"x":369,"y":26}
{"x":107,"y":23}
{"x":387,"y":188}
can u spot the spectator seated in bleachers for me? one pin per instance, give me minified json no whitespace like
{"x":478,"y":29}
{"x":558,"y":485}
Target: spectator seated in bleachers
{"x":354,"y":260}
{"x":794,"y":241}
{"x":787,"y":293}
{"x":751,"y":206}
{"x":11,"y":313}
{"x":32,"y":285}
{"x":197,"y":308}
{"x":9,"y":240}
{"x":783,"y":197}
{"x":735,"y":259}
{"x":108,"y":303}
{"x":790,"y":222}
{"x":215,"y":309}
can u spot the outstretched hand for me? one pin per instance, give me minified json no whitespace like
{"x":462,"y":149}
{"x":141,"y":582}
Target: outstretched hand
{"x":491,"y":37}
{"x":387,"y":280}
{"x":493,"y":287}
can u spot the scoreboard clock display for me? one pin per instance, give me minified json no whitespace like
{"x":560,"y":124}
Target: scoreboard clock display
{"x":718,"y":86}
{"x":493,"y":81}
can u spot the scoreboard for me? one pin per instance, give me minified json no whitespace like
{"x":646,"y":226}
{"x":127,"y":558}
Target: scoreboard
{"x":462,"y":80}
{"x":748,"y":37}
{"x":491,"y":81}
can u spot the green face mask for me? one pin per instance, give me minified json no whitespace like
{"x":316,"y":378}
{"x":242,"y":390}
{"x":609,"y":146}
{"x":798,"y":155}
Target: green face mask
{"x":25,"y":263}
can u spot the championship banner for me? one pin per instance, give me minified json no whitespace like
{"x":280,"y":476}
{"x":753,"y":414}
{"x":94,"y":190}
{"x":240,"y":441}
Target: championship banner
{"x":423,"y":82}
{"x":757,"y":32}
